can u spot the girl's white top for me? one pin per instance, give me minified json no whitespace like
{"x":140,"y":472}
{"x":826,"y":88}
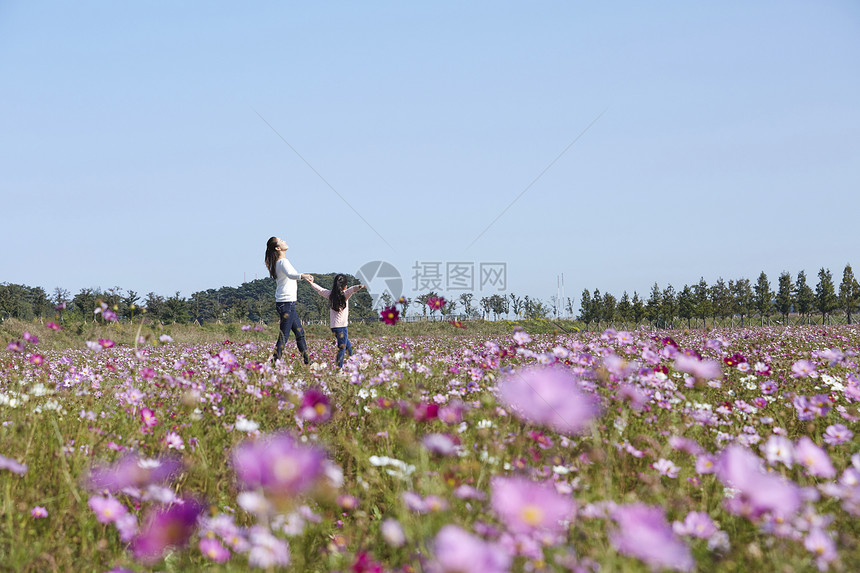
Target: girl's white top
{"x":337,"y":319}
{"x":287,"y":285}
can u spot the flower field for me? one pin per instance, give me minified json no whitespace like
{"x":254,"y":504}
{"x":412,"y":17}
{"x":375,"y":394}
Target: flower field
{"x":718,"y":450}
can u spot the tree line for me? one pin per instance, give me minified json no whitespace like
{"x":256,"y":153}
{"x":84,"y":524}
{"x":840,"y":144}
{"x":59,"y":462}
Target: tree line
{"x":724,"y":301}
{"x":252,"y":301}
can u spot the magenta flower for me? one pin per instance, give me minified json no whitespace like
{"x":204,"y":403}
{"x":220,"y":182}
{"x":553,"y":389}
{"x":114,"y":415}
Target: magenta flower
{"x":15,"y":346}
{"x":165,"y":527}
{"x":389,"y":315}
{"x":549,"y":396}
{"x":837,"y":434}
{"x":436,"y":302}
{"x":813,"y":458}
{"x":526,"y":506}
{"x":106,"y":343}
{"x":441,"y":444}
{"x":759,"y":491}
{"x":279,"y":465}
{"x":39,"y":512}
{"x":54,"y":326}
{"x":457,"y":550}
{"x":212,"y":549}
{"x":666,"y":468}
{"x":148,"y":418}
{"x":315,"y":406}
{"x":644,"y":533}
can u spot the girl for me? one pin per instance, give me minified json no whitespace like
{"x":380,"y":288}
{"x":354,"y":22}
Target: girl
{"x":339,"y":313}
{"x":285,"y":297}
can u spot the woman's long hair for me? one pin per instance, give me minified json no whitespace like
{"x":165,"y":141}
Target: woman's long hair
{"x":337,"y":298}
{"x":272,"y":256}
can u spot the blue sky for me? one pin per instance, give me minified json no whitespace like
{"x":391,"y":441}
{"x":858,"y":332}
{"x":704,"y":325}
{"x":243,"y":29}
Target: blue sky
{"x":137,"y":152}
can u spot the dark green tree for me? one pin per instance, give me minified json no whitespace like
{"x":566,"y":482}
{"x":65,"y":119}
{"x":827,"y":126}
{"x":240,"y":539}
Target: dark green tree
{"x":585,"y":308}
{"x":637,"y":308}
{"x":653,"y":306}
{"x":826,"y":300}
{"x":763,"y":298}
{"x":783,"y":299}
{"x":849,"y":293}
{"x":686,"y":305}
{"x":703,"y":307}
{"x":804,"y":297}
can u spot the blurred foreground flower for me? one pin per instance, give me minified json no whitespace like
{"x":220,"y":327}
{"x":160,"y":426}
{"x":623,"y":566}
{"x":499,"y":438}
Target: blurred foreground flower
{"x":644,"y":533}
{"x":12,"y":465}
{"x":526,"y":506}
{"x":166,"y":527}
{"x":758,"y":491}
{"x":315,"y":406}
{"x":458,"y":550}
{"x":549,"y":396}
{"x":278,"y":465}
{"x":133,"y":471}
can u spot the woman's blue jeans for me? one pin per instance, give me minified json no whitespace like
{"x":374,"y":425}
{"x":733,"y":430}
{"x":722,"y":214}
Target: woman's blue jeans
{"x":290,"y":321}
{"x":341,"y":336}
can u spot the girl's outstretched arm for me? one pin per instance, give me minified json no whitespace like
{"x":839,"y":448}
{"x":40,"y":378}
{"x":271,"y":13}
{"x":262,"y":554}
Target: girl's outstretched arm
{"x":323,"y":292}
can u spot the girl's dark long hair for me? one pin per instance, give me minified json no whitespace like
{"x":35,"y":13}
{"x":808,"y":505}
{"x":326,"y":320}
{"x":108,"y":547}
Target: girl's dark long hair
{"x":337,"y":298}
{"x":272,"y":256}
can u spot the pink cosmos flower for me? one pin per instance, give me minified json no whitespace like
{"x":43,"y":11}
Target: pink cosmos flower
{"x":107,"y":509}
{"x":165,"y":527}
{"x":700,"y":369}
{"x":696,"y":524}
{"x":813,"y":458}
{"x":12,"y":465}
{"x":549,"y":396}
{"x":644,"y":533}
{"x":441,"y":444}
{"x":174,"y":441}
{"x":106,"y":343}
{"x":133,"y":471}
{"x":837,"y":434}
{"x":666,"y":468}
{"x":526,"y":506}
{"x":820,"y":544}
{"x":436,"y":302}
{"x":758,"y":491}
{"x":278,"y":464}
{"x":39,"y":512}
{"x":457,"y":550}
{"x":392,"y":532}
{"x":148,"y":418}
{"x":267,"y":551}
{"x":212,"y":549}
{"x":15,"y":346}
{"x":54,"y":326}
{"x":803,"y":369}
{"x":778,"y":449}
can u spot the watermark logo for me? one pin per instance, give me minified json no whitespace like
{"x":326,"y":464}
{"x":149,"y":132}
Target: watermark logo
{"x":381,"y":277}
{"x":459,"y":276}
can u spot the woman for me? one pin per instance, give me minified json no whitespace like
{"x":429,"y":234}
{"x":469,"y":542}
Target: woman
{"x":281,"y":270}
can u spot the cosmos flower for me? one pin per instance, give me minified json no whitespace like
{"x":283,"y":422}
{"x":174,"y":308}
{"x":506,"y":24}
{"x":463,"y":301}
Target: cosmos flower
{"x":837,"y":434}
{"x":212,"y":549}
{"x":107,"y":508}
{"x":436,"y":302}
{"x":39,"y":512}
{"x":644,"y":533}
{"x":278,"y":464}
{"x":527,"y":506}
{"x":456,"y":550}
{"x":759,"y":491}
{"x":392,"y":532}
{"x":133,"y":471}
{"x":164,"y":527}
{"x":813,"y":458}
{"x":389,"y":315}
{"x":549,"y":396}
{"x":315,"y":406}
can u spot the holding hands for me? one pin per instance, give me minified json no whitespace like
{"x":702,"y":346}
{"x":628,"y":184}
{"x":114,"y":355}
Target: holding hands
{"x":308,"y":278}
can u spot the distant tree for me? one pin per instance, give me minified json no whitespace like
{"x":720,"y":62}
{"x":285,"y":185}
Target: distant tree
{"x":624,"y":308}
{"x":597,"y":307}
{"x":608,"y":308}
{"x":129,"y":304}
{"x":568,"y":305}
{"x":826,"y":300}
{"x":421,"y":301}
{"x":485,"y":306}
{"x":154,"y":305}
{"x":849,"y":293}
{"x":702,"y":302}
{"x":722,"y":302}
{"x":669,"y":306}
{"x":637,"y":308}
{"x":743,"y":298}
{"x":449,"y":309}
{"x":783,"y":296}
{"x":652,"y":307}
{"x":84,"y":303}
{"x":535,"y":309}
{"x":763,"y":299}
{"x":804,"y":297}
{"x":686,"y":305}
{"x":466,"y":301}
{"x":585,"y":308}
{"x":516,"y":304}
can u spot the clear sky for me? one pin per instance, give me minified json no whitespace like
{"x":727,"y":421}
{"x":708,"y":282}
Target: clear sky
{"x":156,"y":146}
